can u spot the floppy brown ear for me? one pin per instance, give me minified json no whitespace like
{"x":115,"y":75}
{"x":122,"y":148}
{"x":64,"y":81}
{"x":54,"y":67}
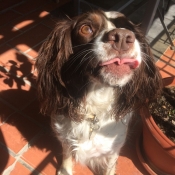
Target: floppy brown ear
{"x":52,"y":55}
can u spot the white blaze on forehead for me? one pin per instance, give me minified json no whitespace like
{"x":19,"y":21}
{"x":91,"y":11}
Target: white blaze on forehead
{"x":110,"y":25}
{"x":113,"y":14}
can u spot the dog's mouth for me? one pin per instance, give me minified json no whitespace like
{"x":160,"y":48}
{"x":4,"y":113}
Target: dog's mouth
{"x":119,"y":67}
{"x":131,"y":62}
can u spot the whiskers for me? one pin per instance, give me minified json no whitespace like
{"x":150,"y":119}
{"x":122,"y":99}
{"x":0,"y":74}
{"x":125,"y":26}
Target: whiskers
{"x":145,"y":59}
{"x":84,"y":86}
{"x":78,"y":59}
{"x":80,"y":45}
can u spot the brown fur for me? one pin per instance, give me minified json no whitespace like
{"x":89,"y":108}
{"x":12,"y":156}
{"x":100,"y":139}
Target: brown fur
{"x":62,"y":87}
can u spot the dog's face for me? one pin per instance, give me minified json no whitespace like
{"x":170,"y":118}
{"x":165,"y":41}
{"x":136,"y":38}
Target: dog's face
{"x":95,"y":47}
{"x":105,"y":45}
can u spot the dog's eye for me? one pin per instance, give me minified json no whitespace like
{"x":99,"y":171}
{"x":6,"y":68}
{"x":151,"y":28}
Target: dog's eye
{"x":85,"y":29}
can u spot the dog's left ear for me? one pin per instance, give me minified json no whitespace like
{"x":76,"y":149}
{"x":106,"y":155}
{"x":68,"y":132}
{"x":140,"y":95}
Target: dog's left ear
{"x":57,"y":47}
{"x":54,"y":52}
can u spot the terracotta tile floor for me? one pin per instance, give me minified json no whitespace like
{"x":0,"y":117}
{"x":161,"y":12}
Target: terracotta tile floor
{"x":166,"y":63}
{"x":27,"y":144}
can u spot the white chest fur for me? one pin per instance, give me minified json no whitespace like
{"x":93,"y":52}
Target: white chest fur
{"x":107,"y":140}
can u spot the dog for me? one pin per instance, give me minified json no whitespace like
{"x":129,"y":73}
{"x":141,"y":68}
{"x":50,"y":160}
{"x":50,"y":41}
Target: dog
{"x":94,"y":71}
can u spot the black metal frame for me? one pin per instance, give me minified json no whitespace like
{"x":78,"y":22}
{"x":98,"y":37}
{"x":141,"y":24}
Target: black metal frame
{"x":117,"y":7}
{"x":151,"y":10}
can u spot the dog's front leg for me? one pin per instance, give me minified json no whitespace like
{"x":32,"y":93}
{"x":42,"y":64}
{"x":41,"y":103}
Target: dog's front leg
{"x":67,"y":164}
{"x":111,"y":165}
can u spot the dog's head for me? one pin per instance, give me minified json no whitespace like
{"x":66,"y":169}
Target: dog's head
{"x":95,"y":47}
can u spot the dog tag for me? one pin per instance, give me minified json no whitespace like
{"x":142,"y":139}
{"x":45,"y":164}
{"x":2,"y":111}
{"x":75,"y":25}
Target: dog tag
{"x":94,"y":124}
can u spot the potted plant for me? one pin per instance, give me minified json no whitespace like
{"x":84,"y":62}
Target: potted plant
{"x":155,"y":150}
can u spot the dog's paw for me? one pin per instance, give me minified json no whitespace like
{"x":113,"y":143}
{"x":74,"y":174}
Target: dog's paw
{"x":62,"y":171}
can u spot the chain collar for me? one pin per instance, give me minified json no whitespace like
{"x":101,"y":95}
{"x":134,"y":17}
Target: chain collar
{"x":93,"y":124}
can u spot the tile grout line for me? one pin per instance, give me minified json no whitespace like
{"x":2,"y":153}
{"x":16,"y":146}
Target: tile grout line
{"x":23,"y":53}
{"x":16,"y":110}
{"x":49,"y":26}
{"x":17,"y":13}
{"x":8,"y":170}
{"x":167,"y":64}
{"x":22,"y":32}
{"x":8,"y":150}
{"x":35,"y":45}
{"x":25,"y":14}
{"x":34,"y":121}
{"x":168,"y":48}
{"x":5,"y":121}
{"x":18,"y":155}
{"x":22,"y":15}
{"x":8,"y":104}
{"x":20,"y":111}
{"x":10,"y":8}
{"x":29,"y":167}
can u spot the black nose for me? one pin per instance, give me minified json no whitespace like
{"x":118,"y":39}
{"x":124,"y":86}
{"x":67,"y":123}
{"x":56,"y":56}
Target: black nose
{"x":121,"y":39}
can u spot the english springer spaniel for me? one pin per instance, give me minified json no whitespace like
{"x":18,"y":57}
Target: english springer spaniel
{"x":94,"y":72}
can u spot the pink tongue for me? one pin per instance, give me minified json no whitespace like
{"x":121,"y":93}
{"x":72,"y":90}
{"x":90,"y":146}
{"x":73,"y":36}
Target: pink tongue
{"x":133,"y":63}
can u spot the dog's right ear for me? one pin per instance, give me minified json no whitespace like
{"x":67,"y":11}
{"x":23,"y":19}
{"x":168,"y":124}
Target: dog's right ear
{"x":53,"y":53}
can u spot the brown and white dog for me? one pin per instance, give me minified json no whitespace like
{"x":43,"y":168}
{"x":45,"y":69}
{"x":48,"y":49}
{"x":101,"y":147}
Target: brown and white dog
{"x":93,"y":71}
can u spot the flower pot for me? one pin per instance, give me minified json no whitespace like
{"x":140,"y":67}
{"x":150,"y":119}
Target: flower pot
{"x":155,"y":151}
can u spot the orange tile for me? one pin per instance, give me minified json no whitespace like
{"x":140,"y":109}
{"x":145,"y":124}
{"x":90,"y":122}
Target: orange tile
{"x":7,"y":53}
{"x":50,"y":21}
{"x":16,"y":92}
{"x":125,"y":166}
{"x":7,"y":33}
{"x":169,"y":53}
{"x":21,"y":69}
{"x":17,"y":131}
{"x":172,"y":63}
{"x":164,"y":74}
{"x":128,"y":162}
{"x":30,"y":5}
{"x":5,"y":159}
{"x":4,"y":48}
{"x":81,"y":170}
{"x":5,"y":111}
{"x":42,"y":154}
{"x":34,"y":51}
{"x":26,"y":22}
{"x":30,"y":38}
{"x":6,"y":4}
{"x":51,"y":6}
{"x":129,"y":159}
{"x":165,"y":58}
{"x":20,"y":170}
{"x":160,"y":64}
{"x":31,"y":78}
{"x":169,"y":69}
{"x":16,"y":63}
{"x":166,"y":63}
{"x":33,"y":111}
{"x":9,"y":16}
